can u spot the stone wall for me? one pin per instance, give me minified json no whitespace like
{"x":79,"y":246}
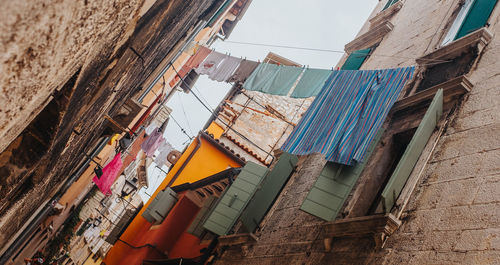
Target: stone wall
{"x":114,"y":68}
{"x":453,"y":216}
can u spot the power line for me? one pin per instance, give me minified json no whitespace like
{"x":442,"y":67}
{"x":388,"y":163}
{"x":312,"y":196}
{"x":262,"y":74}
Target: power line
{"x":217,"y":117}
{"x":180,"y":127}
{"x":327,"y":50}
{"x":185,"y":115}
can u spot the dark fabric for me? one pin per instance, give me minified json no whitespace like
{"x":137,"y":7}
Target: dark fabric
{"x":243,"y":72}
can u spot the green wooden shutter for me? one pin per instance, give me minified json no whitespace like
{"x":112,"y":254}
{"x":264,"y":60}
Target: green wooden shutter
{"x":356,"y":59}
{"x":412,"y":153}
{"x":333,"y":185}
{"x":390,"y":3}
{"x":477,"y":17}
{"x":270,"y":188}
{"x":235,"y":199}
{"x":160,"y":206}
{"x":196,"y":227}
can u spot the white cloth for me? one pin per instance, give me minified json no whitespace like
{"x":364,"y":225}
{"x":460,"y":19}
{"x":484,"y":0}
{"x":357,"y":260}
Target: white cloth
{"x":210,"y":64}
{"x":164,"y":149}
{"x":225,"y":69}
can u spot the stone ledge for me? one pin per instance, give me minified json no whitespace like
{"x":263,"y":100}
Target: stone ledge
{"x":237,"y":239}
{"x":451,"y":89}
{"x":370,"y":38}
{"x":385,"y":15}
{"x":379,"y":226}
{"x":479,"y":38}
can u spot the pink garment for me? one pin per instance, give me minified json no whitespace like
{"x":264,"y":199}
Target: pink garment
{"x":109,"y":173}
{"x":152,"y":143}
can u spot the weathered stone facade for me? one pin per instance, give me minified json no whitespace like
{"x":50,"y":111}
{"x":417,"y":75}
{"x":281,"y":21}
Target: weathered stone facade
{"x":84,"y":60}
{"x":453,"y":215}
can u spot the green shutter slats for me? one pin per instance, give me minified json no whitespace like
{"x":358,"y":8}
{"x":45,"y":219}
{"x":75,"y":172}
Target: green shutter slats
{"x":196,"y":227}
{"x":268,"y":191}
{"x":412,"y":153}
{"x":390,"y":3}
{"x":356,"y":59}
{"x":477,"y":17}
{"x":234,"y":199}
{"x":334,"y":183}
{"x":160,"y":206}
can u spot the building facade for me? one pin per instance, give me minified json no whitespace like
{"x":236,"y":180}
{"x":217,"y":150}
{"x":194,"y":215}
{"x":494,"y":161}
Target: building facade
{"x":428,"y":193}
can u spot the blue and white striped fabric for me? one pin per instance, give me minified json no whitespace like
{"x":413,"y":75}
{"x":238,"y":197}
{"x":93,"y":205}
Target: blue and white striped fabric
{"x":347,"y":113}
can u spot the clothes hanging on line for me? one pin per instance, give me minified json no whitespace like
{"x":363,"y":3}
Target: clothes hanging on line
{"x":261,"y":78}
{"x":152,"y":142}
{"x":210,"y":64}
{"x":225,"y":69}
{"x":243,"y":71}
{"x":164,"y":149}
{"x":201,"y":52}
{"x":283,"y":81}
{"x":310,"y":83}
{"x":347,"y":113}
{"x":109,"y":174}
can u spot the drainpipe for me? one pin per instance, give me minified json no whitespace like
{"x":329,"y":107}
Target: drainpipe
{"x":184,"y":164}
{"x":44,"y":212}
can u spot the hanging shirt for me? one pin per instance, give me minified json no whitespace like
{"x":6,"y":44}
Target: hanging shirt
{"x":210,"y":64}
{"x":164,"y":150}
{"x":243,"y":71}
{"x":152,"y":142}
{"x":346,"y":115}
{"x":109,"y":174}
{"x":225,"y":69}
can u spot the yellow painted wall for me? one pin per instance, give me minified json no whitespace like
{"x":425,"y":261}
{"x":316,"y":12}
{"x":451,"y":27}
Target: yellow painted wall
{"x":206,"y":161}
{"x":215,"y":129}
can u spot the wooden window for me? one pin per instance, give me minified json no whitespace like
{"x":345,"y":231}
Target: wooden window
{"x":161,"y":205}
{"x":333,"y":185}
{"x":269,"y":189}
{"x":389,"y":3}
{"x":234,"y":199}
{"x":196,"y":227}
{"x":412,"y":153}
{"x":356,"y":59}
{"x":473,"y":15}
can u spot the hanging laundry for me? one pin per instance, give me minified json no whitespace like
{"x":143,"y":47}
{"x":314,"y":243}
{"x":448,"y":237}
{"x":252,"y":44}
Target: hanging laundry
{"x":283,"y":81}
{"x":243,"y":71}
{"x":310,"y":83}
{"x":109,"y":173}
{"x":210,"y":64}
{"x":347,"y":113}
{"x":225,"y":69}
{"x":164,"y":149}
{"x":261,"y":77}
{"x":189,"y":81}
{"x":194,"y":61}
{"x":152,"y":142}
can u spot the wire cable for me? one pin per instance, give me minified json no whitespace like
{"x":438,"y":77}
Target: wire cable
{"x":223,"y":122}
{"x":185,"y":115}
{"x":182,"y":129}
{"x":327,"y":50}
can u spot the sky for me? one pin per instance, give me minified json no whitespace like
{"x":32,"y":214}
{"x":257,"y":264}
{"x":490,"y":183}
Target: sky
{"x":318,"y":24}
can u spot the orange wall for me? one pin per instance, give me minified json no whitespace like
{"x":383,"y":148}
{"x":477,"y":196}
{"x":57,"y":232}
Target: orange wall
{"x":206,"y":161}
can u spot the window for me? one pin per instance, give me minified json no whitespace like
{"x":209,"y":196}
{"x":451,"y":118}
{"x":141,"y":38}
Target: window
{"x":390,"y":3}
{"x":473,"y":15}
{"x":333,"y":186}
{"x":356,"y":59}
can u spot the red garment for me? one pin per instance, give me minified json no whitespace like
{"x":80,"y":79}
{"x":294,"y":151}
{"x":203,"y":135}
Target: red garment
{"x":193,"y":62}
{"x":109,"y":173}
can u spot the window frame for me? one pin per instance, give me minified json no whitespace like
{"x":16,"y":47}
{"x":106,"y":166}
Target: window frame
{"x":458,"y":20}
